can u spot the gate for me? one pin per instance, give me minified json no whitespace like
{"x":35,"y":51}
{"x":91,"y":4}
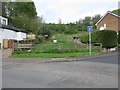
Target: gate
{"x":22,"y":45}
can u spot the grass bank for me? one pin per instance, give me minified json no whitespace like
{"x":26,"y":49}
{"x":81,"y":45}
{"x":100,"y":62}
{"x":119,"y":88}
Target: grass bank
{"x":65,"y":47}
{"x":50,"y":55}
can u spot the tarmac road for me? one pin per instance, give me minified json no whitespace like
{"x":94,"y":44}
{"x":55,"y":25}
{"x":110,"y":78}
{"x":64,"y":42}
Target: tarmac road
{"x":99,"y":72}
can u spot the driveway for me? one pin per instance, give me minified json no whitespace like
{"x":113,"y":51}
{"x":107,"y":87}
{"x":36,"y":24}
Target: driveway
{"x":5,"y":52}
{"x":95,"y":72}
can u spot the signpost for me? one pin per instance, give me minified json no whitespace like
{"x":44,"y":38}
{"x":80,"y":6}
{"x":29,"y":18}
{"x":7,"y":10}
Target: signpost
{"x":90,"y":29}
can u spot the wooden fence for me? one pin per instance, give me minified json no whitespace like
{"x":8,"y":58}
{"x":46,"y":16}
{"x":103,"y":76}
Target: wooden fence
{"x":21,"y":45}
{"x":30,"y":46}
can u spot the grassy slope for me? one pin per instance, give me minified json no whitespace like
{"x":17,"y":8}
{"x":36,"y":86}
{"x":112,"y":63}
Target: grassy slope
{"x":62,"y":39}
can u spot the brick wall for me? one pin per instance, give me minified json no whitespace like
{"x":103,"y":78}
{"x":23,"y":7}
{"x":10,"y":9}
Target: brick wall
{"x":112,"y":22}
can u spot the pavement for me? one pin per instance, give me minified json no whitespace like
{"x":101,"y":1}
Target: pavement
{"x":96,"y":71}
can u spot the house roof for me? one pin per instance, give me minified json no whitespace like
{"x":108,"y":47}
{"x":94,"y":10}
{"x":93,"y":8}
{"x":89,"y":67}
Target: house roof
{"x":12,"y":28}
{"x":109,"y":12}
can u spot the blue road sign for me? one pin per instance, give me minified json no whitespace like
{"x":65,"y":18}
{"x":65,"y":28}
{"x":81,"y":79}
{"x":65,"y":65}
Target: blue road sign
{"x":89,"y":28}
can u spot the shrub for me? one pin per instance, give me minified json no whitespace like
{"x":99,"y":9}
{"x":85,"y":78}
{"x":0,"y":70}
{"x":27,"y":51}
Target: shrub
{"x":84,"y":39}
{"x":39,"y":39}
{"x":76,"y":37}
{"x":108,"y":38}
{"x":70,"y":31}
{"x":95,"y":37}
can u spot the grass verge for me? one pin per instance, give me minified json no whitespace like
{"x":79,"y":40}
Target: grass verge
{"x":50,"y":55}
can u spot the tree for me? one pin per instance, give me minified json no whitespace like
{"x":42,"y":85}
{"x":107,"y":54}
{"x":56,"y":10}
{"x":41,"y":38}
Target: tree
{"x":87,"y":20}
{"x":36,"y":24}
{"x":95,"y":19}
{"x":4,"y":8}
{"x":20,"y":14}
{"x":80,"y":21}
{"x":17,"y":9}
{"x":116,"y":11}
{"x":60,"y":21}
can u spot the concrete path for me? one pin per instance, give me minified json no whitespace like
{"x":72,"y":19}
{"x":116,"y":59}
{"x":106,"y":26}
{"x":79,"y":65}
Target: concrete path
{"x":5,"y":52}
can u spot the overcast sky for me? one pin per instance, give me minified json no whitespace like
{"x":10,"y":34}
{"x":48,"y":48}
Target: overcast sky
{"x":72,"y":10}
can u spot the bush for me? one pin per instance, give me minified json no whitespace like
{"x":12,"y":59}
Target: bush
{"x":70,"y":31}
{"x":76,"y":37}
{"x":39,"y":39}
{"x":84,"y":39}
{"x":108,"y":38}
{"x":95,"y":37}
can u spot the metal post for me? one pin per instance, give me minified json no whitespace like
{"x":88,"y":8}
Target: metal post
{"x":89,"y":42}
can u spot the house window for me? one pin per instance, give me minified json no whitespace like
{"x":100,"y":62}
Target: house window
{"x":4,"y":21}
{"x":105,"y":26}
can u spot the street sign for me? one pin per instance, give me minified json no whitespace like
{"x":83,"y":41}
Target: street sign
{"x":89,"y":28}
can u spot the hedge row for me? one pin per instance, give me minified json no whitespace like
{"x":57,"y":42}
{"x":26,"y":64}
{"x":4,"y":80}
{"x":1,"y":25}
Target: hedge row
{"x":108,"y":38}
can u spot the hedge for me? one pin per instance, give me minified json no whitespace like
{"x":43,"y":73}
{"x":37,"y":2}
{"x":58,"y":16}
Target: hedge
{"x":84,"y":39}
{"x":108,"y":38}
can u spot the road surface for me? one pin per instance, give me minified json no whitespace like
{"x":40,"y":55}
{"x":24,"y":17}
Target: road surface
{"x":88,"y":73}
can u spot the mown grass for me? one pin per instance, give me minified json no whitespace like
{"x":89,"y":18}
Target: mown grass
{"x":50,"y":55}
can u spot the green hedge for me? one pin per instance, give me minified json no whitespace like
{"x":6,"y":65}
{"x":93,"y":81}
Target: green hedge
{"x":108,"y":38}
{"x":84,"y":39}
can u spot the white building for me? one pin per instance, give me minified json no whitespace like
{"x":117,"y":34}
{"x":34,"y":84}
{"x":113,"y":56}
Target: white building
{"x":10,"y":32}
{"x":3,"y":20}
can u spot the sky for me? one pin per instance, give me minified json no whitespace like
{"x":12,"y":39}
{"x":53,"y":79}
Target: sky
{"x":72,"y":10}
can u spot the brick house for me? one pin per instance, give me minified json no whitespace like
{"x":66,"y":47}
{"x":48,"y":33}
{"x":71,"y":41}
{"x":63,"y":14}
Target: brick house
{"x":109,"y":21}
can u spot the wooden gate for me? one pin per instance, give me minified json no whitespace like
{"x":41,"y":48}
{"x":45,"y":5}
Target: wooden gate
{"x":22,"y":45}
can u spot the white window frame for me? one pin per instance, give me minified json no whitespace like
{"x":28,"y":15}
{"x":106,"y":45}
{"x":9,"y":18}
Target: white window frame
{"x":4,"y":22}
{"x":105,"y":26}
